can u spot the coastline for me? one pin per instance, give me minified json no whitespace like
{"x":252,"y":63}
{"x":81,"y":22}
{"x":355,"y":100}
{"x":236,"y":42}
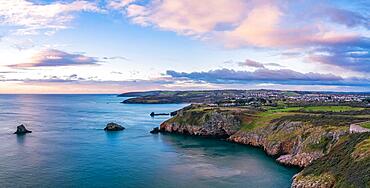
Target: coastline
{"x":296,"y":144}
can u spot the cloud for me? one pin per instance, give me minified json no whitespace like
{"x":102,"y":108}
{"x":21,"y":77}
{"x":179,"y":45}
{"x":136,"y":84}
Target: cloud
{"x":56,"y":58}
{"x":116,"y":58}
{"x":251,"y":63}
{"x":345,"y":17}
{"x":267,"y":76}
{"x":118,"y":4}
{"x":306,"y":27}
{"x":240,"y":23}
{"x":188,"y":17}
{"x":351,"y":55}
{"x":32,"y":18}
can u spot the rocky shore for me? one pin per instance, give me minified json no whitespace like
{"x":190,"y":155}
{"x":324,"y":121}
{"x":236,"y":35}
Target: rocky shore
{"x":292,"y":142}
{"x":283,"y":140}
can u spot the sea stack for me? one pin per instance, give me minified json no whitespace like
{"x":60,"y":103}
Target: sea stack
{"x":113,"y":127}
{"x":21,"y":129}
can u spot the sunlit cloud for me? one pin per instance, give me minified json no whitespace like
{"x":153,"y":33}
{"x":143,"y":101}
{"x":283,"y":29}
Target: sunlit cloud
{"x":31,"y":18}
{"x":56,"y":58}
{"x":304,"y":26}
{"x":268,"y":76}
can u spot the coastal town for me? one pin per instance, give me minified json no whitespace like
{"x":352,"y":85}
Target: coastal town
{"x":250,"y":97}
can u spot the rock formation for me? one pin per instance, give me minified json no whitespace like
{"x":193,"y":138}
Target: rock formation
{"x":113,"y":127}
{"x":21,"y":129}
{"x":155,"y":130}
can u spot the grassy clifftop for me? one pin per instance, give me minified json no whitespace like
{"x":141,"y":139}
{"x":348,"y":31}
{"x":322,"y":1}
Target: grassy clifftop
{"x":348,"y":165}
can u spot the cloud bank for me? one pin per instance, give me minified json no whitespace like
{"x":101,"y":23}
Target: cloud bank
{"x":267,"y":76}
{"x":56,"y":58}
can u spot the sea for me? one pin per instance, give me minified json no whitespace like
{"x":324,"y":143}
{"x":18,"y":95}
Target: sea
{"x":69,"y":148}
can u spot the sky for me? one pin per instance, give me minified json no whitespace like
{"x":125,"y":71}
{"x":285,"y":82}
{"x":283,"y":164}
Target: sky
{"x":115,"y":46}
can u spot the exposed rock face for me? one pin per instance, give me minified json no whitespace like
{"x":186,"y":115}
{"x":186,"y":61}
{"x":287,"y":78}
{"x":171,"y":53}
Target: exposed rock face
{"x":21,"y":129}
{"x":113,"y":127}
{"x":294,"y":143}
{"x":323,"y":181}
{"x":346,"y":165}
{"x":318,"y":146}
{"x":213,"y":124}
{"x":354,"y":128}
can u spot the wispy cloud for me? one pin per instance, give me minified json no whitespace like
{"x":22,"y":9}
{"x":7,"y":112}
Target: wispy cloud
{"x":116,"y":58}
{"x":353,"y":54}
{"x":55,"y":58}
{"x":31,"y":18}
{"x":326,"y":32}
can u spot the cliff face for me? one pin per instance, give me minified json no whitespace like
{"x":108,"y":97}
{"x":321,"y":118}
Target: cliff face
{"x":203,"y":123}
{"x":347,"y":165}
{"x":321,"y":143}
{"x":294,"y":143}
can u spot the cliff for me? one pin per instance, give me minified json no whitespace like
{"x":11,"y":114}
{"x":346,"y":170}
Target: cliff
{"x":319,"y":141}
{"x":347,"y":165}
{"x":204,"y":121}
{"x":293,"y":138}
{"x":294,"y":143}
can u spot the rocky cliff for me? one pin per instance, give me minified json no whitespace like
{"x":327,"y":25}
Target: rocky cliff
{"x":347,"y":165}
{"x":320,"y":143}
{"x":203,"y":122}
{"x":295,"y":143}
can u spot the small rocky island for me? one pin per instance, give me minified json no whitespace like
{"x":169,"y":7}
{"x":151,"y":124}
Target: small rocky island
{"x":114,"y":127}
{"x":21,"y":129}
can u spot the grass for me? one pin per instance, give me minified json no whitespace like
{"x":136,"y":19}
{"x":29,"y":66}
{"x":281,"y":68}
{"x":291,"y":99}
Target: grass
{"x":347,"y":171}
{"x":362,"y":150}
{"x":330,"y":108}
{"x":263,"y":119}
{"x":288,"y":109}
{"x":316,"y":109}
{"x":365,"y":125}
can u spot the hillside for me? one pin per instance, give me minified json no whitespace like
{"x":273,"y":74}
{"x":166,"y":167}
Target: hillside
{"x":295,"y":136}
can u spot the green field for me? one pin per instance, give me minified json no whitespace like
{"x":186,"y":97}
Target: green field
{"x":317,"y":109}
{"x":365,"y":125}
{"x":262,"y":119}
{"x":330,"y":108}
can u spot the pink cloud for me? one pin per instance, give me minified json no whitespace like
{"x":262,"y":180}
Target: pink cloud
{"x":55,"y":58}
{"x":33,"y":17}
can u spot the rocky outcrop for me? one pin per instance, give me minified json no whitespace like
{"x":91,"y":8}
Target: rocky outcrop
{"x":21,"y":129}
{"x":322,"y":181}
{"x":294,"y":143}
{"x":210,"y":124}
{"x":113,"y":127}
{"x":346,"y":165}
{"x":323,"y":146}
{"x":355,"y":128}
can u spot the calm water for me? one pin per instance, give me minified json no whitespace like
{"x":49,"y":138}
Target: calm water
{"x":68,"y":148}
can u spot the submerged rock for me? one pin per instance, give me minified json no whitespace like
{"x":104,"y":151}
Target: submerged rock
{"x":21,"y":129}
{"x":113,"y":127}
{"x":158,"y":114}
{"x":155,"y":130}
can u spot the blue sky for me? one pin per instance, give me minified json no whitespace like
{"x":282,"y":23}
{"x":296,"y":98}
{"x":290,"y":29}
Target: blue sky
{"x":114,"y":46}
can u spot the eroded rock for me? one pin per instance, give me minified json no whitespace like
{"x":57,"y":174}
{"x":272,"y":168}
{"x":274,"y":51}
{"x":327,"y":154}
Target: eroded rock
{"x":21,"y":129}
{"x":113,"y":127}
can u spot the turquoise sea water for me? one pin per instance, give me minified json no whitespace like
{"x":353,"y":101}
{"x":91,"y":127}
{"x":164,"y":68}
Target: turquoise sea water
{"x":68,"y":148}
